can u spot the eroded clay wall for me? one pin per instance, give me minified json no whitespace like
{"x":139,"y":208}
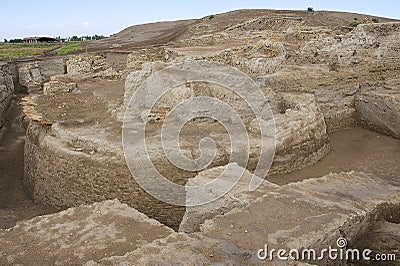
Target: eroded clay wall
{"x":63,"y":178}
{"x":33,"y":74}
{"x":6,"y":93}
{"x":58,"y":174}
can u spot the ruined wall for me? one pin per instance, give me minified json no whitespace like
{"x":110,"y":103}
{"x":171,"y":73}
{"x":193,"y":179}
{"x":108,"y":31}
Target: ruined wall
{"x":379,"y":110}
{"x":335,"y":67}
{"x":76,"y":235}
{"x":6,"y":93}
{"x":83,"y":64}
{"x":116,"y":60}
{"x":301,"y":131}
{"x":33,"y":74}
{"x":302,"y":138}
{"x":354,"y":188}
{"x":13,"y":72}
{"x":261,"y":58}
{"x":59,"y":175}
{"x":51,"y":67}
{"x":94,"y":65}
{"x":331,"y":64}
{"x":55,"y":86}
{"x":312,"y":213}
{"x":64,"y":168}
{"x":30,"y":77}
{"x":136,"y":59}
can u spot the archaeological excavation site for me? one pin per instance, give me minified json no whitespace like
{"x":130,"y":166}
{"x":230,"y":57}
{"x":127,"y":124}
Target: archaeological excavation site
{"x":244,"y":138}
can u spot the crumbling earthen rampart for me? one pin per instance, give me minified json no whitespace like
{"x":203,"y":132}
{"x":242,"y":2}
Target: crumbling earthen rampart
{"x":6,"y":93}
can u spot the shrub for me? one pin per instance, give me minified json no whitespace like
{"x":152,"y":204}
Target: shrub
{"x":355,"y":23}
{"x":211,"y":17}
{"x":310,"y":9}
{"x":375,"y":20}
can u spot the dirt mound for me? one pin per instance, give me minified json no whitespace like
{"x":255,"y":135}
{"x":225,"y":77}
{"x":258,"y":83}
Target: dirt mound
{"x":160,"y":33}
{"x":143,"y":35}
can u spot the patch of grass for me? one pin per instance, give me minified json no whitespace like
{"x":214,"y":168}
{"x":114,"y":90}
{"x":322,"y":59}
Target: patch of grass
{"x":69,"y":47}
{"x":24,"y":50}
{"x":21,"y":50}
{"x":355,"y":23}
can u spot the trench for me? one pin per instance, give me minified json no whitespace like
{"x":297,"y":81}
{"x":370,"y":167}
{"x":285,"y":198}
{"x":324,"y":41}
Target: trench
{"x":15,"y":205}
{"x":353,"y":149}
{"x":358,"y":149}
{"x":382,"y":236}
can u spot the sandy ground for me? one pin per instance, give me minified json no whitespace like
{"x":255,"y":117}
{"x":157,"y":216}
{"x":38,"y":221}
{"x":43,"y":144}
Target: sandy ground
{"x":354,"y":149}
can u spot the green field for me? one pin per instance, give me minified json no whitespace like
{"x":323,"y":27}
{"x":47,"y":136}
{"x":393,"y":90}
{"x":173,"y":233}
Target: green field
{"x":26,"y":50}
{"x":69,"y":47}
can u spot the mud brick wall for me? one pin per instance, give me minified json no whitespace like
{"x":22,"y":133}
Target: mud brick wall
{"x":62,"y":178}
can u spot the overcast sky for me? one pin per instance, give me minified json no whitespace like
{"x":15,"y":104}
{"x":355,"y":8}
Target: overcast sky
{"x":21,"y":18}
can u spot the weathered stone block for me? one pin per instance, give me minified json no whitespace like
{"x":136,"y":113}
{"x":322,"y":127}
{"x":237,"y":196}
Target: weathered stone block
{"x":54,"y":87}
{"x":30,"y":77}
{"x":379,"y":110}
{"x":6,"y":93}
{"x":80,"y":234}
{"x":314,"y":213}
{"x":238,"y":196}
{"x":84,"y":64}
{"x":181,"y":249}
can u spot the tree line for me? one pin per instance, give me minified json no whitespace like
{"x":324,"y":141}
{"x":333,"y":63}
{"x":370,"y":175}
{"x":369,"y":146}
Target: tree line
{"x":82,"y":38}
{"x":67,"y":39}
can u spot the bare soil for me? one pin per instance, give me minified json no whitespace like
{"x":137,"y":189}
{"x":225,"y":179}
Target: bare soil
{"x":383,"y":239}
{"x":161,"y":33}
{"x":353,"y":149}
